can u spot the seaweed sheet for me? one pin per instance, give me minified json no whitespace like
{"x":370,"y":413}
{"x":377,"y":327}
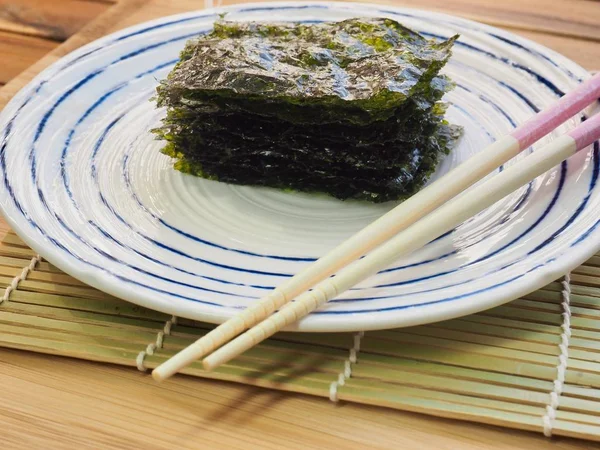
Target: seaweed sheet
{"x":358,"y":71}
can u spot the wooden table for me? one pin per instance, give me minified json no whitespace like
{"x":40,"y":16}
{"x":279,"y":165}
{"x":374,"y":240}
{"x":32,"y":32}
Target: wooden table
{"x":50,"y":402}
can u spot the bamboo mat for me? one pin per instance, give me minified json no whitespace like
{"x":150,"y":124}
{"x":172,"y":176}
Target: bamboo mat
{"x":533,"y":364}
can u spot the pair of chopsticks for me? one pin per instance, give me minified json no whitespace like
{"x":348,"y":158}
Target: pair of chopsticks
{"x":425,"y":216}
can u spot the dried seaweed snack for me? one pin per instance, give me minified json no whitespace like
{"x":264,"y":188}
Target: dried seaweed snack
{"x":235,"y":151}
{"x":380,"y":145}
{"x":349,"y":108}
{"x":197,"y":131}
{"x":265,"y":167}
{"x":407,"y":124}
{"x":214,"y":142}
{"x":357,"y":71}
{"x":363,"y":184}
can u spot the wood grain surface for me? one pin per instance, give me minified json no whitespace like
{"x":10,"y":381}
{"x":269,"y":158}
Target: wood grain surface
{"x":50,"y":402}
{"x":63,"y":403}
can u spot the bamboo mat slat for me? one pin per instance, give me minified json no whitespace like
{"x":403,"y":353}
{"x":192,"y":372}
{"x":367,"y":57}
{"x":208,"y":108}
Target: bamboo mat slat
{"x":497,"y":367}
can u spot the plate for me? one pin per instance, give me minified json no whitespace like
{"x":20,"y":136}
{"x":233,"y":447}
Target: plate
{"x":84,"y":184}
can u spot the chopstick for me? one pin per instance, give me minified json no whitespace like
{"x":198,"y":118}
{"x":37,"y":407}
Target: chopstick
{"x":440,"y":221}
{"x":390,"y":224}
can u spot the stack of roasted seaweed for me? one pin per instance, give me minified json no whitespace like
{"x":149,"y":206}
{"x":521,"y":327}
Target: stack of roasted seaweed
{"x":349,"y":108}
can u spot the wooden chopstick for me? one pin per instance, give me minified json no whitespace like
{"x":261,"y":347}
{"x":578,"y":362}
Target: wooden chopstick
{"x":440,"y":221}
{"x":390,"y":224}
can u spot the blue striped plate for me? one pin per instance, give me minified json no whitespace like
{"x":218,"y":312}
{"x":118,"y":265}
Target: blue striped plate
{"x":84,"y":183}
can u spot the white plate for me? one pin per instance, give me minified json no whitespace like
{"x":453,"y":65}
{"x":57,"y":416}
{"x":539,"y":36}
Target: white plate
{"x":84,"y":184}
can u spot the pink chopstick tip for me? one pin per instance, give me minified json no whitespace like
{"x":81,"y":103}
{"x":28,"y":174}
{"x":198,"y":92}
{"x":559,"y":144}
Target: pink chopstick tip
{"x":586,"y":133}
{"x":549,"y":119}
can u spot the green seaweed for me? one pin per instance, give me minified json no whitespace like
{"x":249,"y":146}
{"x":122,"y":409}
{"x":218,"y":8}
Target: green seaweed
{"x":397,"y":182}
{"x":365,"y":68}
{"x":350,"y":108}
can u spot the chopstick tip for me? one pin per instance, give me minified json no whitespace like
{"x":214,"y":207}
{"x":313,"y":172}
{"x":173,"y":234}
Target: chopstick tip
{"x":160,"y":374}
{"x":208,"y":365}
{"x":179,"y":361}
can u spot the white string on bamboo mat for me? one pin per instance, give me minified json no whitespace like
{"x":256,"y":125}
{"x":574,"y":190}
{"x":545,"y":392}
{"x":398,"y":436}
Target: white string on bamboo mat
{"x":347,"y":372}
{"x":153,"y":346}
{"x":22,"y":276}
{"x":563,"y":358}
